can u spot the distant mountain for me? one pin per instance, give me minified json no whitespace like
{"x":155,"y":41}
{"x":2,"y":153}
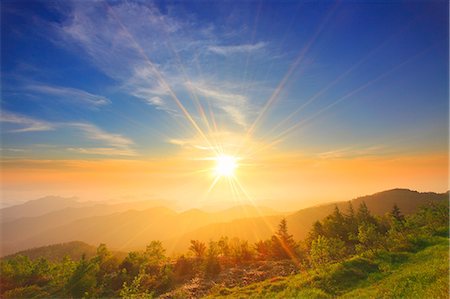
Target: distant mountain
{"x":124,"y":230}
{"x":300,"y":222}
{"x":22,"y":228}
{"x":406,"y":199}
{"x":132,"y":229}
{"x":57,"y":252}
{"x":38,"y":207}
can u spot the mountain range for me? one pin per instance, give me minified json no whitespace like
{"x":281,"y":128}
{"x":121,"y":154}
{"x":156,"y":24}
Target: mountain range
{"x":131,"y":226}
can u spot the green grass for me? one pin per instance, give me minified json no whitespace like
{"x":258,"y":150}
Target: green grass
{"x":423,"y":274}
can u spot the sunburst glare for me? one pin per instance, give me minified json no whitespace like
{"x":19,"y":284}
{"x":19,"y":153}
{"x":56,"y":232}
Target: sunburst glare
{"x":225,"y":166}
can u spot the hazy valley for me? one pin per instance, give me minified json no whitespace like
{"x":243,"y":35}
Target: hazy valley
{"x":131,"y":226}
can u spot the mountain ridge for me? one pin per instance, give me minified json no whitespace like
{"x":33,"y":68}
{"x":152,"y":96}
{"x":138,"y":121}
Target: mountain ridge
{"x":134,"y":229}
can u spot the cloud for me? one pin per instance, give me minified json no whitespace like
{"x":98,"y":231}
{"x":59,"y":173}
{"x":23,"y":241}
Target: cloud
{"x":152,"y":55}
{"x":124,"y":40}
{"x":143,"y":85}
{"x":180,"y":142}
{"x":28,"y":124}
{"x":236,"y":49}
{"x":353,"y":152}
{"x":191,"y":143}
{"x":234,"y":104}
{"x":14,"y":150}
{"x":117,"y":144}
{"x":70,"y":94}
{"x":157,"y":101}
{"x":236,"y":143}
{"x":94,"y":133}
{"x":106,"y":151}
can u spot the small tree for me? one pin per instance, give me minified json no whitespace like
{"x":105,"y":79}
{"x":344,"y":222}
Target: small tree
{"x":212,"y":266}
{"x":316,"y":231}
{"x":351,"y":228}
{"x":102,"y":253}
{"x":284,"y":246}
{"x":198,"y":248}
{"x":369,"y":238}
{"x":324,"y":250}
{"x":134,"y":290}
{"x":364,"y":216}
{"x":224,"y":250}
{"x":264,"y":249}
{"x":396,"y":214}
{"x":83,"y":281}
{"x":240,"y":251}
{"x":224,"y":246}
{"x":183,"y":269}
{"x":107,"y":267}
{"x":132,"y":264}
{"x":154,"y":257}
{"x":334,"y":225}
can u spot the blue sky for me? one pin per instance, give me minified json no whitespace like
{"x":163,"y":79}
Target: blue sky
{"x":102,"y":79}
{"x":135,"y":99}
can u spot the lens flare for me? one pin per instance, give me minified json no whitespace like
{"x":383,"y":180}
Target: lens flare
{"x":225,"y":166}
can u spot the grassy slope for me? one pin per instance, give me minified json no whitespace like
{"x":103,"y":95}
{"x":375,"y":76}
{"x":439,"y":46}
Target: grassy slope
{"x":390,"y":275}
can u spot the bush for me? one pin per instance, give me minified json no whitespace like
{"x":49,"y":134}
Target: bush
{"x":212,"y":267}
{"x":183,"y":269}
{"x":339,"y":277}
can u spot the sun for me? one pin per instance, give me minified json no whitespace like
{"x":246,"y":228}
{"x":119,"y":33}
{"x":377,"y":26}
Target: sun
{"x":225,"y":166}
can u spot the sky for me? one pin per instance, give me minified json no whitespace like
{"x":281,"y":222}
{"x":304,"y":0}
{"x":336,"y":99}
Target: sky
{"x":134,"y":100}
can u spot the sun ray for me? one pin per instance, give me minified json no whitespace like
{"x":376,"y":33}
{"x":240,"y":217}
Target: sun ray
{"x":216,"y":179}
{"x":159,"y":76}
{"x":281,"y":136}
{"x":301,"y":55}
{"x":244,"y":80}
{"x":338,"y":79}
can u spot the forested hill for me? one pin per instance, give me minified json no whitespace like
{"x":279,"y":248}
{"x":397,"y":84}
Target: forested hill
{"x":301,"y":222}
{"x":354,"y":253}
{"x":133,"y":229}
{"x":56,"y":252}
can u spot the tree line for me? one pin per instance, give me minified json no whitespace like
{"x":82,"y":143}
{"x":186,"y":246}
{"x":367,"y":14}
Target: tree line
{"x":151,"y":272}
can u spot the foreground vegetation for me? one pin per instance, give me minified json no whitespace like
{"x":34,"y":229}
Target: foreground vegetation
{"x":351,"y":254}
{"x":382,"y":275}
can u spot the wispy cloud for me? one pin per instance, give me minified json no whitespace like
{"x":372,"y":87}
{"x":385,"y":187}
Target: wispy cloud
{"x":94,"y":133}
{"x":236,"y":49}
{"x":149,"y":51}
{"x":220,"y":141}
{"x":145,"y":86}
{"x":130,"y":35}
{"x":353,"y":152}
{"x":190,"y":143}
{"x":14,"y":150}
{"x":27,"y":124}
{"x":70,"y":94}
{"x":234,"y":104}
{"x":114,"y":144}
{"x":145,"y":45}
{"x":104,"y":151}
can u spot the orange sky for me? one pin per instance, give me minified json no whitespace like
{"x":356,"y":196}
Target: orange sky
{"x":282,"y":181}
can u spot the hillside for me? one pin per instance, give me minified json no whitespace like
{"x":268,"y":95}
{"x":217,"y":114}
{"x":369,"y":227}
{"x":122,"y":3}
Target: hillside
{"x":19,"y":229}
{"x":388,"y":275}
{"x":300,"y":222}
{"x":129,"y":229}
{"x":356,"y":255}
{"x":133,"y":229}
{"x":57,"y":252}
{"x":39,"y":207}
